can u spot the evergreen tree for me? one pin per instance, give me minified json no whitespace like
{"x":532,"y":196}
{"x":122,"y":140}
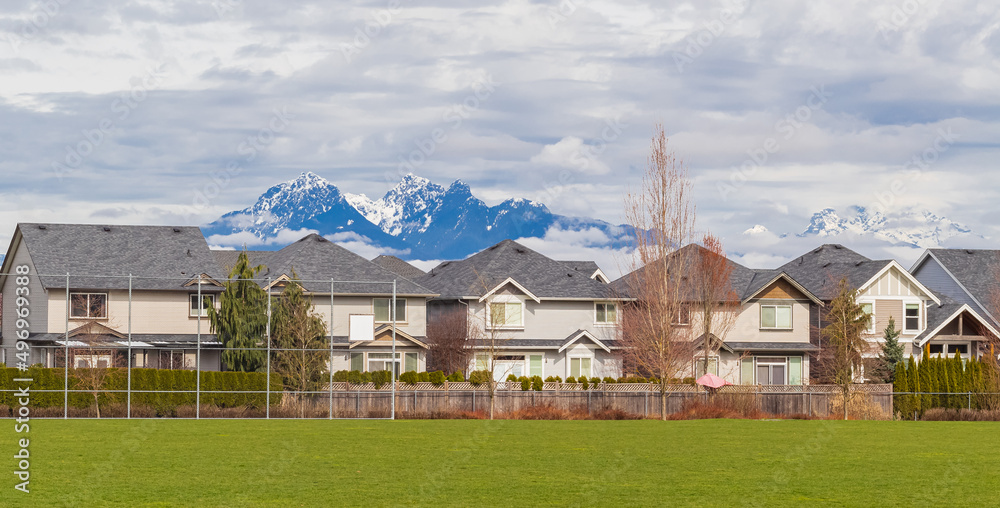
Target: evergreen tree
{"x":901,"y":383}
{"x":240,"y":322}
{"x":892,"y":350}
{"x":913,"y":373}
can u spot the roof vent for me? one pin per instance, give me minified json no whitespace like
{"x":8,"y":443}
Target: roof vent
{"x":177,"y":230}
{"x":858,"y":263}
{"x":838,"y":246}
{"x":42,"y":226}
{"x":189,"y":252}
{"x":969,"y":251}
{"x":826,"y":264}
{"x":107,"y":228}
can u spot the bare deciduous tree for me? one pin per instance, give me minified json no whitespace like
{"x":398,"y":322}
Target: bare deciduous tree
{"x":714,"y":297}
{"x":448,"y":337}
{"x":662,"y":217}
{"x":90,"y":363}
{"x":299,"y":337}
{"x":489,"y":334}
{"x":846,"y":334}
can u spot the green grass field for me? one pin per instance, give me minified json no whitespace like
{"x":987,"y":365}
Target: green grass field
{"x":507,"y":463}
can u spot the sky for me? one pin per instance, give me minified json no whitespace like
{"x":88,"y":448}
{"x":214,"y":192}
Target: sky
{"x":159,"y":112}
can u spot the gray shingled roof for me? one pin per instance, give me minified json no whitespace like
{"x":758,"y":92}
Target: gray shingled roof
{"x":542,"y":276}
{"x":772,"y":346}
{"x":398,"y":266}
{"x":317,"y":260}
{"x":820,"y":270}
{"x":587,"y":268}
{"x":226,"y":259}
{"x":973,"y":268}
{"x":740,"y":276}
{"x":158,"y":257}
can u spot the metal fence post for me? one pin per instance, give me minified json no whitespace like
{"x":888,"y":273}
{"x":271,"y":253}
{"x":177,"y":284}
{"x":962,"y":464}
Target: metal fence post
{"x":393,"y":409}
{"x":197,"y":359}
{"x":331,"y":349}
{"x":267,"y":402}
{"x":66,"y":357}
{"x":128,"y":359}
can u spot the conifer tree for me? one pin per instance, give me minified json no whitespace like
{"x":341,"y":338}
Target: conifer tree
{"x":240,"y":322}
{"x":892,"y":350}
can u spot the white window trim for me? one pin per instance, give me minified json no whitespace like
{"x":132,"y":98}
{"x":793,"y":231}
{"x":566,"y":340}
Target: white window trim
{"x":107,"y":303}
{"x":605,"y":322}
{"x":406,"y":310}
{"x":504,"y":299}
{"x":920,"y":318}
{"x":757,"y":364}
{"x":191,"y":311}
{"x":569,"y":364}
{"x":791,"y":316}
{"x":701,"y":358}
{"x":871,"y":329}
{"x":685,"y":309}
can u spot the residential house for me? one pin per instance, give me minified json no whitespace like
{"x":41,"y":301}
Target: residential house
{"x":765,"y":334}
{"x":354,"y":298}
{"x":965,"y":320}
{"x":111,"y":292}
{"x":548,"y":317}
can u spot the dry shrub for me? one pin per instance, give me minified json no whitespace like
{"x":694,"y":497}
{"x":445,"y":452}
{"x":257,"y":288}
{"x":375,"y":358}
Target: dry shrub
{"x":613,"y":413}
{"x":440,"y":415}
{"x":731,"y":407}
{"x":541,"y":412}
{"x":961,"y":415}
{"x":861,"y":407}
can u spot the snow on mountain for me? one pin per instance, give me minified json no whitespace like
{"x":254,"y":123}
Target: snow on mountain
{"x":918,"y":229}
{"x":417,"y":218}
{"x":757,"y":229}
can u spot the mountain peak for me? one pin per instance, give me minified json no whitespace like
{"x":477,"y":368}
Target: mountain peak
{"x":918,"y":229}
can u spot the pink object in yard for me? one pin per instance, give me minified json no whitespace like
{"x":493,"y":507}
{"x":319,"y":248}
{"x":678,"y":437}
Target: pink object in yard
{"x":712,"y":381}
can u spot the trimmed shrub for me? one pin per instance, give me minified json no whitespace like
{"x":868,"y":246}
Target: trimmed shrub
{"x":595,"y":381}
{"x":424,"y":377}
{"x":479,"y":377}
{"x":525,"y":383}
{"x":381,"y":378}
{"x":409,"y":377}
{"x":536,"y":383}
{"x":688,"y":380}
{"x":436,"y":378}
{"x":553,"y":379}
{"x":456,"y":377}
{"x":609,"y":380}
{"x":341,"y":376}
{"x":354,"y":377}
{"x":571,"y":379}
{"x":583,"y":382}
{"x":512,"y":378}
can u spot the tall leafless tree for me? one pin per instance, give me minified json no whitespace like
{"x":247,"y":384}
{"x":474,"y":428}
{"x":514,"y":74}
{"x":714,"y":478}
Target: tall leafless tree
{"x":714,"y":297}
{"x":661,"y":215}
{"x":448,"y":337}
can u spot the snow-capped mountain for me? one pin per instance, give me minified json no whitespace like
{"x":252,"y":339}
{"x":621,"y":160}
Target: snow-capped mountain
{"x":918,"y":229}
{"x":417,"y":219}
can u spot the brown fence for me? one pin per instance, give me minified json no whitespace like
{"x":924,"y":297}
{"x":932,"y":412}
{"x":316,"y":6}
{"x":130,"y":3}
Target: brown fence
{"x":364,"y":401}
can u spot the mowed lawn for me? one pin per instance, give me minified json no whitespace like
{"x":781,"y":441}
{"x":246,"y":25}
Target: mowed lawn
{"x":507,"y":463}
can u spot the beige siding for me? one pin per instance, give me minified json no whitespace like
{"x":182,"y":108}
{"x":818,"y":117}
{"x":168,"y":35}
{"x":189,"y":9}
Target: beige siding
{"x":550,"y":319}
{"x":747,"y":327}
{"x":344,"y":306}
{"x":884,"y":309}
{"x":894,"y":283}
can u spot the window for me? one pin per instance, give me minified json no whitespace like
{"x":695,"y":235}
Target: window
{"x":358,"y":361}
{"x":100,"y":361}
{"x":383,"y":361}
{"x":535,"y":365}
{"x":771,"y":371}
{"x":776,"y":317}
{"x":912,"y":323}
{"x":606,"y":313}
{"x":174,"y":359}
{"x":961,"y":349}
{"x":381,"y":308}
{"x":507,"y":365}
{"x":869,"y":309}
{"x":88,"y":306}
{"x":713,"y":366}
{"x":579,"y":367}
{"x":411,"y":362}
{"x":683,"y":316}
{"x":936,"y":349}
{"x":506,"y":314}
{"x":206,"y":302}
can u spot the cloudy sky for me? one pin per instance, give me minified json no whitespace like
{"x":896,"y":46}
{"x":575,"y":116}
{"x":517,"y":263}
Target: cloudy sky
{"x":175,"y":112}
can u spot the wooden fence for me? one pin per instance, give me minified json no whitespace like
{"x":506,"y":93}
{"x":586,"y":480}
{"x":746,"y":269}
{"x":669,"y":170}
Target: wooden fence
{"x":364,"y":401}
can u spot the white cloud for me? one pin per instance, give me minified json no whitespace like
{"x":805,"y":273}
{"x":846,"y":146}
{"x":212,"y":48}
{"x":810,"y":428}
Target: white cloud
{"x":363,"y":246}
{"x":571,"y":152}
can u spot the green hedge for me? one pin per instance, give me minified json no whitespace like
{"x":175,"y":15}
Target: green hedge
{"x":941,"y":374}
{"x":171,"y":381}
